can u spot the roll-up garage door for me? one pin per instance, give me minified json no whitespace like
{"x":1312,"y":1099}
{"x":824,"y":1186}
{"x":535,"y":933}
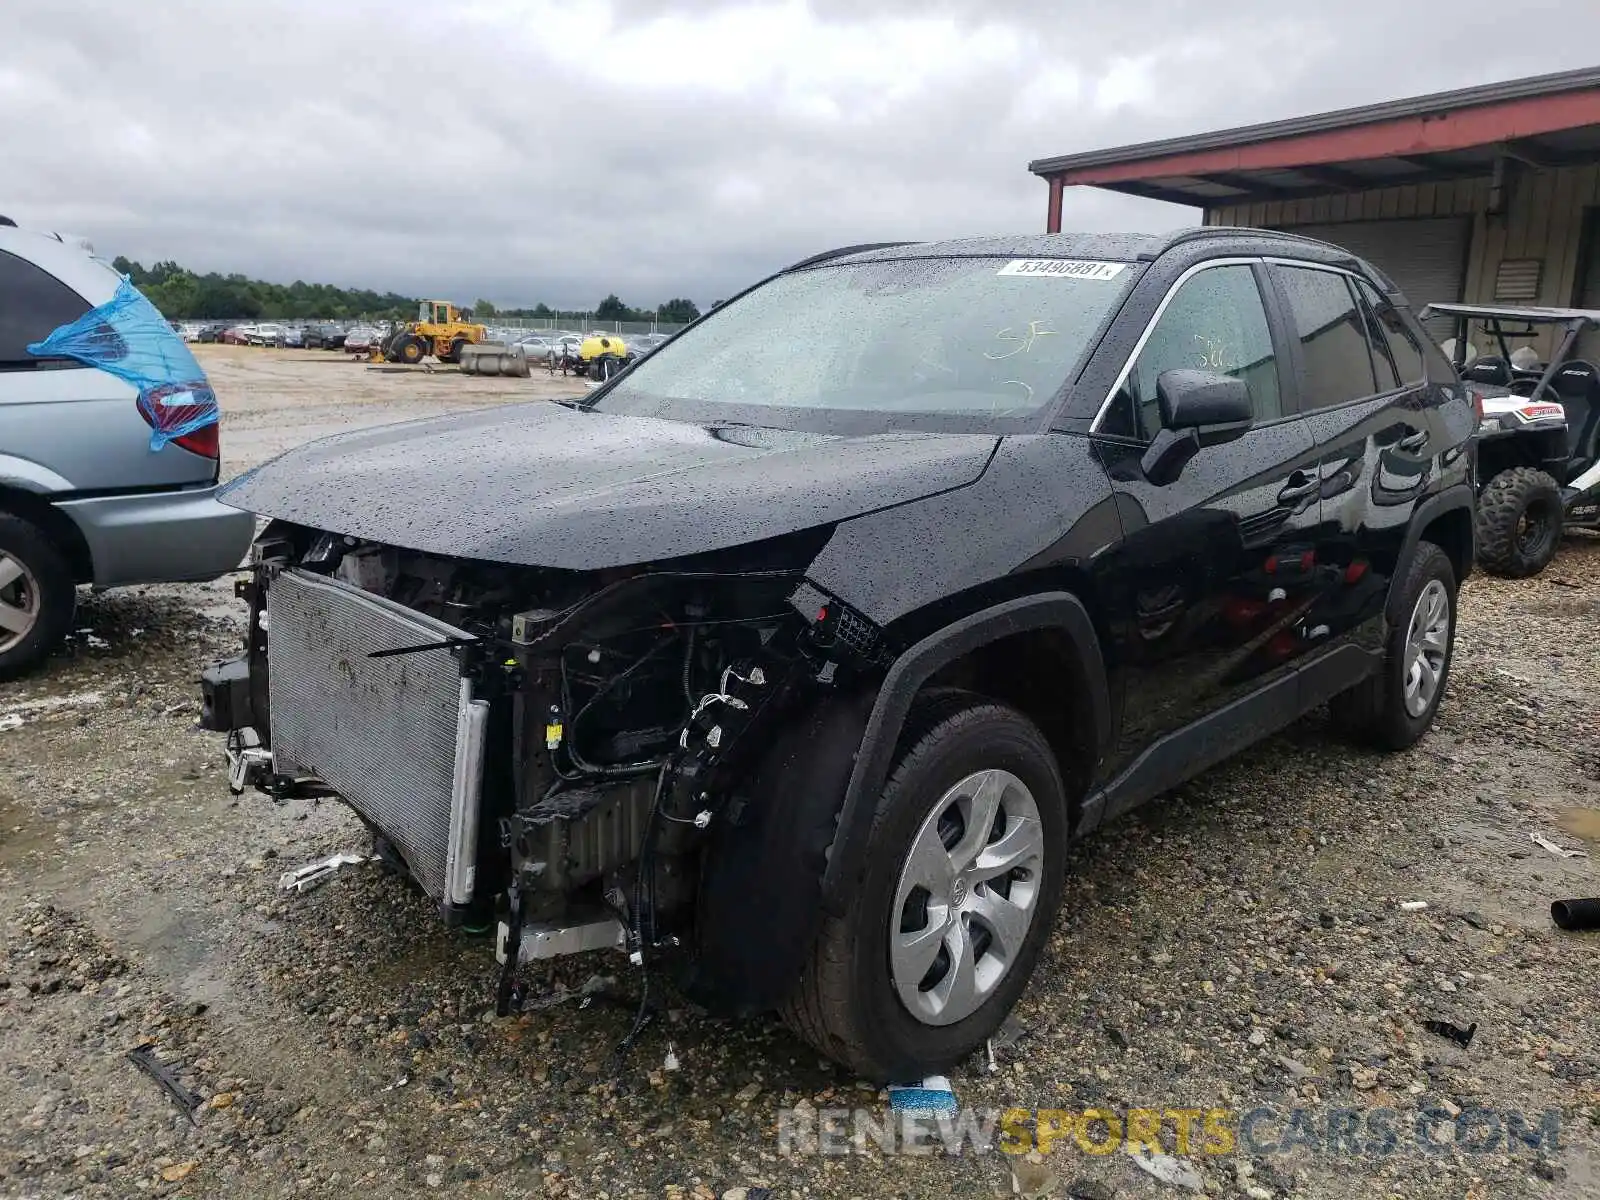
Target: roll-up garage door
{"x":1589,"y":282}
{"x":1427,"y":257}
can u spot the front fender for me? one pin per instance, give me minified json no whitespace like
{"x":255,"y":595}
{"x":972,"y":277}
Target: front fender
{"x":1048,"y":610}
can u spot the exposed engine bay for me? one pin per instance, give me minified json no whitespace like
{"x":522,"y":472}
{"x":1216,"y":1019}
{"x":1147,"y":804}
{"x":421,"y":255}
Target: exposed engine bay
{"x":542,"y":750}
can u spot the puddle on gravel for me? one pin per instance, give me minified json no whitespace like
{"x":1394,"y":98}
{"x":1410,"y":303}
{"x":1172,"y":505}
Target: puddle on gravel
{"x":1582,"y":823}
{"x":20,"y":832}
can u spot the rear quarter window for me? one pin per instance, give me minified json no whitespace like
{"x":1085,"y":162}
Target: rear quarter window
{"x":33,"y":304}
{"x":1405,"y":352}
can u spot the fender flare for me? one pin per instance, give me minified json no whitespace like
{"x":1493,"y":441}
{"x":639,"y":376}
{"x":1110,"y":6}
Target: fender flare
{"x":874,"y":758}
{"x":25,"y":475}
{"x":1457,"y":496}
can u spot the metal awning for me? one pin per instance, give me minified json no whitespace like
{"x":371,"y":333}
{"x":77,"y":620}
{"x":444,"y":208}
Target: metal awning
{"x":1529,"y":314}
{"x":1544,"y":122}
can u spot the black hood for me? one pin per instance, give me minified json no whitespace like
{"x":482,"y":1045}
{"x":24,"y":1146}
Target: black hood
{"x":545,"y":485}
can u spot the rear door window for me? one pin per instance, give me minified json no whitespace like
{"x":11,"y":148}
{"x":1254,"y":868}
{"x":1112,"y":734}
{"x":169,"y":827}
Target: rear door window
{"x":1335,"y":361}
{"x":33,"y":305}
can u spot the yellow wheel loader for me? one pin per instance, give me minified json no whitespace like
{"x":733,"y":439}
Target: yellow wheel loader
{"x":440,"y":330}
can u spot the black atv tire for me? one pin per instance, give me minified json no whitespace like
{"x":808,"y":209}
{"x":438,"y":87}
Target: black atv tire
{"x":846,"y":1004}
{"x":45,"y":588}
{"x":1519,"y":522}
{"x":1374,"y":712}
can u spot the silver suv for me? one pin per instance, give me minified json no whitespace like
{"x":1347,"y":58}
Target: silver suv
{"x":83,"y":497}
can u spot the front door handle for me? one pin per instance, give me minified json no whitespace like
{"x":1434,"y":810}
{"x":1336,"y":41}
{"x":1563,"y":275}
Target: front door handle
{"x":1300,"y":486}
{"x":1415,"y":441}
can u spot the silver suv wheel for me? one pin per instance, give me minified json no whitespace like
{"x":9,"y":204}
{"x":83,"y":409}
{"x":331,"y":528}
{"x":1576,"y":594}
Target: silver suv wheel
{"x":1427,"y":645}
{"x":967,"y":896}
{"x":19,"y":601}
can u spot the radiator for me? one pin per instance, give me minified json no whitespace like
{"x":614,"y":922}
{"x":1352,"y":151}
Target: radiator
{"x":399,"y":738}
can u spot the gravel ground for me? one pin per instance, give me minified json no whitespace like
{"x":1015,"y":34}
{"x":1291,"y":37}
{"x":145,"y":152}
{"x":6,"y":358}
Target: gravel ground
{"x":1240,"y":943}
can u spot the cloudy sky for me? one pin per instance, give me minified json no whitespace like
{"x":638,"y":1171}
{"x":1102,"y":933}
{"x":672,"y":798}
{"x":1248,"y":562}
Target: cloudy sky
{"x":521,"y":150}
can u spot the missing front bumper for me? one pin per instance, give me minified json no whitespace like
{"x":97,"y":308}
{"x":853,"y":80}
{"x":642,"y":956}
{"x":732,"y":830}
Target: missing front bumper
{"x":402,"y":738}
{"x":542,"y":939}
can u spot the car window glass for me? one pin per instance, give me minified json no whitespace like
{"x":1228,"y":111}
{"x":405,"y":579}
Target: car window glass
{"x":887,"y":341}
{"x":1388,"y":376}
{"x":1403,"y":348}
{"x":1335,"y":363}
{"x":33,"y":304}
{"x":1216,"y":322}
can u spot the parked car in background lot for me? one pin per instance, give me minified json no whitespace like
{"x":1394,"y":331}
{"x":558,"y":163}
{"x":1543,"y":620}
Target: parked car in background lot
{"x":361,"y":339}
{"x":535,"y":348}
{"x":212,"y":332}
{"x":83,"y":498}
{"x":854,"y":635}
{"x":266,"y":335}
{"x":323,"y":337}
{"x":293,"y":337}
{"x":237,"y":335}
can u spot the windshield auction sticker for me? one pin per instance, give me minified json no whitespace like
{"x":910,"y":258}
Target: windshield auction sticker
{"x":1062,"y":268}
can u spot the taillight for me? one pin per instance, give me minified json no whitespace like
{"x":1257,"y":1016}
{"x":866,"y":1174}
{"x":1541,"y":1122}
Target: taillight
{"x":203,"y":441}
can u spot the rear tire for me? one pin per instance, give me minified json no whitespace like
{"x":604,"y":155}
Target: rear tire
{"x":37,"y":596}
{"x":851,"y":1002}
{"x":1519,"y":523}
{"x":1384,"y":711}
{"x":453,"y":355}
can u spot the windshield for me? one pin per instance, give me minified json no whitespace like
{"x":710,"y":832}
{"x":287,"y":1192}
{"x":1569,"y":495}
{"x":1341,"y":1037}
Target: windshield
{"x":969,"y":343}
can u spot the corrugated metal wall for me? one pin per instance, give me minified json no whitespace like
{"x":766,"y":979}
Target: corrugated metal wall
{"x":1544,"y":220}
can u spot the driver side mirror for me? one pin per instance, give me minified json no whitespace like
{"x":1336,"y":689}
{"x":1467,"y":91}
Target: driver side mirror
{"x":1198,"y":408}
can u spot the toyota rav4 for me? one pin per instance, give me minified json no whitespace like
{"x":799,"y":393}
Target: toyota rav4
{"x":792,"y":659}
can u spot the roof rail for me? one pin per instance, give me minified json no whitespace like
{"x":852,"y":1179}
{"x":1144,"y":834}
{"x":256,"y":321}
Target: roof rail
{"x":842,"y":251}
{"x":1202,"y":232}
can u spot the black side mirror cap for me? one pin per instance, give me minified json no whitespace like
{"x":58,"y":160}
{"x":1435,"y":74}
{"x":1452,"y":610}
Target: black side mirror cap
{"x":1192,"y":399}
{"x":1198,"y":408}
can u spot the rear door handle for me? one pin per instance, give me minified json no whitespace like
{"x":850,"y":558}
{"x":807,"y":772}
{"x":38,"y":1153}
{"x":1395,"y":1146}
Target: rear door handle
{"x":1415,"y":441}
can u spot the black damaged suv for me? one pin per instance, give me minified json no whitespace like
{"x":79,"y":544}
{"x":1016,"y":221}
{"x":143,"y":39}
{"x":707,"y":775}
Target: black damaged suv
{"x":791,"y":660}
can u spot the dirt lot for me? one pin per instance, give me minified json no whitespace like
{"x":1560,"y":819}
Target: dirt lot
{"x":1239,"y":945}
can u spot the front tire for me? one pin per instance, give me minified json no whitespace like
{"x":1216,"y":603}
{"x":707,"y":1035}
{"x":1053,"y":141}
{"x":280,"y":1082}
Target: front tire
{"x":1397,"y":705}
{"x":37,"y":596}
{"x":1519,"y":523}
{"x":963,"y":877}
{"x":409,"y":350}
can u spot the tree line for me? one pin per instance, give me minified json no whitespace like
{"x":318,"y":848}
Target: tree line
{"x":677,"y":311}
{"x":180,"y":294}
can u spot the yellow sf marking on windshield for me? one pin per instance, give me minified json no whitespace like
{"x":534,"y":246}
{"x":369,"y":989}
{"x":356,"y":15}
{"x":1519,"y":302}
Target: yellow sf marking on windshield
{"x":1024,"y":341}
